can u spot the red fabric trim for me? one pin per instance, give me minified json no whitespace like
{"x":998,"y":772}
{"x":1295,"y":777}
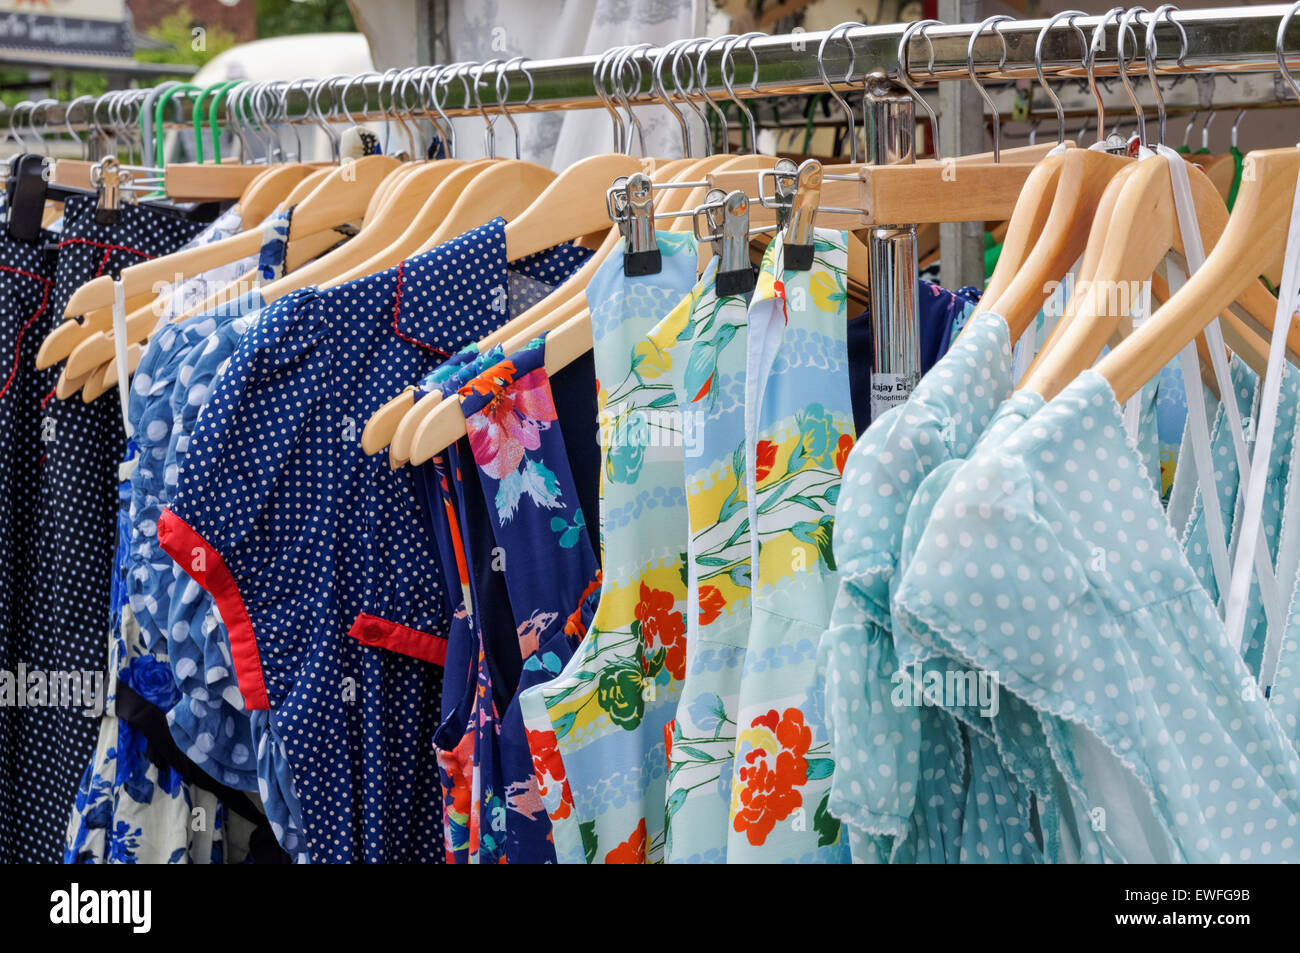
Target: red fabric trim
{"x":397,"y":312}
{"x":105,"y":245}
{"x":50,"y":396}
{"x":381,"y":633}
{"x":180,"y":541}
{"x":18,"y":344}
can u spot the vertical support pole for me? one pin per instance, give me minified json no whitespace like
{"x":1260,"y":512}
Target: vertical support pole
{"x":961,"y":132}
{"x":891,"y":133}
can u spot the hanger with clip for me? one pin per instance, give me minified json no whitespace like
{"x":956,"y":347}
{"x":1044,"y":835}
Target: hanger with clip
{"x":395,"y":422}
{"x":565,"y":310}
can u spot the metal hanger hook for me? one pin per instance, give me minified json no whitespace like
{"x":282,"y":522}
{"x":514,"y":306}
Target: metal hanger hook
{"x":503,"y":95}
{"x":687,"y":92}
{"x":490,"y":122}
{"x":729,"y":76}
{"x":904,"y":71}
{"x":994,"y":22}
{"x":657,"y":87}
{"x":1070,"y":16}
{"x":1125,"y":25}
{"x":1166,"y":11}
{"x":67,"y":122}
{"x":702,"y":70}
{"x":1095,"y":44}
{"x":848,"y":77}
{"x":604,"y":93}
{"x":1280,"y":49}
{"x":443,"y":124}
{"x":625,"y":78}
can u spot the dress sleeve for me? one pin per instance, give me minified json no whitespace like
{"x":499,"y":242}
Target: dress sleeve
{"x":252,"y":517}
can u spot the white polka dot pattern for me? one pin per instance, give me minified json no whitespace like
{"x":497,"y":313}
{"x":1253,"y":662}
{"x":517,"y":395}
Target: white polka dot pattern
{"x":1106,"y":632}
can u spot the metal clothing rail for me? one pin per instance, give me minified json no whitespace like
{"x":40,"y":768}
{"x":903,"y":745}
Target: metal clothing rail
{"x":884,"y":62}
{"x":1217,"y":40}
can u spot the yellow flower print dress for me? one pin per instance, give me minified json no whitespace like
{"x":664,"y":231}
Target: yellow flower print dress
{"x":701,"y":345}
{"x":596,"y":731}
{"x":799,"y":430}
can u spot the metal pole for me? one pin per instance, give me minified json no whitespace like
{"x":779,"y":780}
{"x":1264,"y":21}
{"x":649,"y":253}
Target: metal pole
{"x":891,"y":134}
{"x":961,"y":132}
{"x":1223,"y":40}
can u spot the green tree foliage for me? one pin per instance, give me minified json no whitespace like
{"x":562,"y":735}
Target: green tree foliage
{"x":286,"y":18}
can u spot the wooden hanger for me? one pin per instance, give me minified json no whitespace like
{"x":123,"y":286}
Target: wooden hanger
{"x":504,"y":189}
{"x":97,"y":351}
{"x":396,"y":422}
{"x":1253,"y":241}
{"x":1133,"y":241}
{"x":569,"y":207}
{"x":431,"y":213}
{"x":340,"y":198}
{"x":1022,"y":282}
{"x":61,"y":342}
{"x":141,"y":324}
{"x":269,"y":190}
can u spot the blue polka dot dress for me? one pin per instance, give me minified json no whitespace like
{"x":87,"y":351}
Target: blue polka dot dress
{"x":314,"y":552}
{"x":1107,"y":635}
{"x":906,"y":773}
{"x":26,"y":281}
{"x":68,"y":564}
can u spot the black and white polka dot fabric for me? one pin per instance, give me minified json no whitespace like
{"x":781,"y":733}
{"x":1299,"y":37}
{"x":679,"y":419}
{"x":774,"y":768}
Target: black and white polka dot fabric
{"x":66,"y":553}
{"x":26,"y":280}
{"x":315,"y":552}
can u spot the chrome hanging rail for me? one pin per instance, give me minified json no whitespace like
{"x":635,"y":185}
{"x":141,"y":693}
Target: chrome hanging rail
{"x":1217,"y":40}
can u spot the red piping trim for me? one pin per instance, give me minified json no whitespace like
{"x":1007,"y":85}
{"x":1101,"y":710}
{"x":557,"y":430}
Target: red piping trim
{"x":182,"y":543}
{"x":397,"y":311}
{"x":18,"y":343}
{"x":106,"y":245}
{"x":382,"y":633}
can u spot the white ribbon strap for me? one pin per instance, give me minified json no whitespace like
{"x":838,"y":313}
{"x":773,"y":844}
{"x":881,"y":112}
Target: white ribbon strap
{"x":1190,"y":365}
{"x":120,"y":351}
{"x":1195,"y":253}
{"x":1253,"y":509}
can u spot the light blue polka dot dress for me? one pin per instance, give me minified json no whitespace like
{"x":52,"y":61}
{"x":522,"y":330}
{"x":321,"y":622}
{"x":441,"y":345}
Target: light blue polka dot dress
{"x":902,"y":781}
{"x":1074,"y":594}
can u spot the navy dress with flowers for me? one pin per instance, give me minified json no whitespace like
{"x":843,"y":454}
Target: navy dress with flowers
{"x":547,"y":562}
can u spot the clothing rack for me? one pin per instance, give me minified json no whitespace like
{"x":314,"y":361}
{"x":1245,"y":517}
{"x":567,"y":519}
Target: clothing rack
{"x":1203,"y":42}
{"x":1229,"y":41}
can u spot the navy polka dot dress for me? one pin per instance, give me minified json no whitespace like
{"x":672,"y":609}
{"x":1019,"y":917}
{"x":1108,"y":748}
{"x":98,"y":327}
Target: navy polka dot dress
{"x":315,"y":553}
{"x":67,"y":552}
{"x":26,"y":280}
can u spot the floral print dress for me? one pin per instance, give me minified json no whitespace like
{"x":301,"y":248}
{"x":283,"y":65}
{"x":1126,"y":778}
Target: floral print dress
{"x":799,"y":430}
{"x":129,"y":809}
{"x":596,"y":731}
{"x":701,"y":348}
{"x":545,"y":557}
